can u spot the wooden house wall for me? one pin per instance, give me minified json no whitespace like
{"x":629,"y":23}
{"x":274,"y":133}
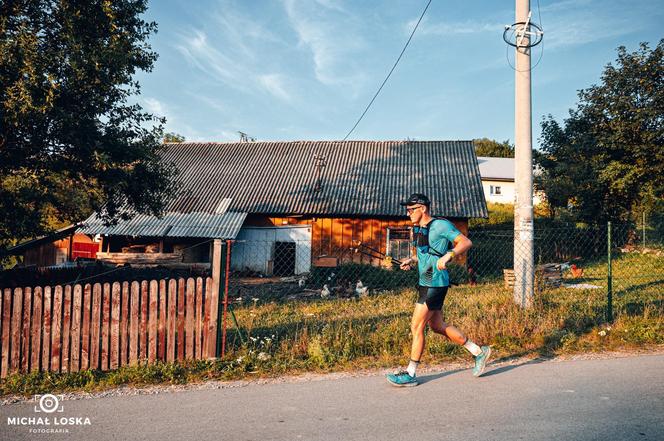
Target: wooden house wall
{"x":46,"y":254}
{"x":335,"y":236}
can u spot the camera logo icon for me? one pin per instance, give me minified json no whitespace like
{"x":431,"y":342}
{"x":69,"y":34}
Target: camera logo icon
{"x":48,"y":403}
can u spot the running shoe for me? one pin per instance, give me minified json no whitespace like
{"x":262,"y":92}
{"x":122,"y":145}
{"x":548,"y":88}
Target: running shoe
{"x":402,"y":379}
{"x":480,"y":361}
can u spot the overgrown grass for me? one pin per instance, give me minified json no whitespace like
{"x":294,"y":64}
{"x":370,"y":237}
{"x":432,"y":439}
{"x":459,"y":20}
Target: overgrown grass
{"x":374,"y":332}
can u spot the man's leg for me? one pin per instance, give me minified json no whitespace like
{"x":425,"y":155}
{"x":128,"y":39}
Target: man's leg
{"x":438,"y":326}
{"x":455,"y":335}
{"x":418,"y":323}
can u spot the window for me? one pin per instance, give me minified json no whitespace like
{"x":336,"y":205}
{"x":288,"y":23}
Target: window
{"x":398,"y":243}
{"x":495,"y":189}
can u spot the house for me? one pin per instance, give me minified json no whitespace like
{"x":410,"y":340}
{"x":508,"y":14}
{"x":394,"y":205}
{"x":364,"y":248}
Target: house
{"x":498,"y":180}
{"x":292,"y":205}
{"x":61,"y":246}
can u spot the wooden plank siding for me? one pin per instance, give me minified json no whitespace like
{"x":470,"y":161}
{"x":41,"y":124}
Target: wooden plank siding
{"x":335,"y":236}
{"x":106,"y":326}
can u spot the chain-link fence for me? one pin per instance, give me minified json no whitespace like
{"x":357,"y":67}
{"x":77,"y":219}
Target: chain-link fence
{"x":571,"y":261}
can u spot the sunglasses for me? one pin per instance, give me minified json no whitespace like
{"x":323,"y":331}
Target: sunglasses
{"x":410,"y":210}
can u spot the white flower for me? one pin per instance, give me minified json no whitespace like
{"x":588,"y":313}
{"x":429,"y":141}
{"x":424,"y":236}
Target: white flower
{"x":254,"y":339}
{"x":262,"y":356}
{"x":608,"y":328}
{"x":239,"y":360}
{"x":602,"y":333}
{"x":255,"y":299}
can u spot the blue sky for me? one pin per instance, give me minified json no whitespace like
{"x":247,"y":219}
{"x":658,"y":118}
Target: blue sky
{"x":306,"y":69}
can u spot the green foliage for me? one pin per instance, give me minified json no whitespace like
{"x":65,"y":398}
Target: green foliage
{"x":70,"y":143}
{"x":495,"y":149}
{"x":500,"y":215}
{"x":173,"y":137}
{"x":605,"y":161}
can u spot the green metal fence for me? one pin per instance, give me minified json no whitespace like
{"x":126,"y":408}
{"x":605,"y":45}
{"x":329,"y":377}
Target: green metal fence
{"x":610,"y":265}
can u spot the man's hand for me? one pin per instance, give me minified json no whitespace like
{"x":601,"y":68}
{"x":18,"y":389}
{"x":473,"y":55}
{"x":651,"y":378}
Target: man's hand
{"x":405,"y":264}
{"x":442,"y":261}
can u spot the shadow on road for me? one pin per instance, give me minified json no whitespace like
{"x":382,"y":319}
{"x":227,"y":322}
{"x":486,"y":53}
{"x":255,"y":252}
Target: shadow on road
{"x":427,"y":378}
{"x":509,"y":367}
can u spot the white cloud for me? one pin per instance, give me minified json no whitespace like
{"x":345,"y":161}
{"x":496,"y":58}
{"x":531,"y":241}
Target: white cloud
{"x":155,"y":106}
{"x":274,"y":84}
{"x":239,"y":73}
{"x":330,"y":36}
{"x":457,"y":28}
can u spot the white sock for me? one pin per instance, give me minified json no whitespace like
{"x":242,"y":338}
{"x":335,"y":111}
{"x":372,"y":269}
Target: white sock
{"x":472,"y":348}
{"x":412,"y":367}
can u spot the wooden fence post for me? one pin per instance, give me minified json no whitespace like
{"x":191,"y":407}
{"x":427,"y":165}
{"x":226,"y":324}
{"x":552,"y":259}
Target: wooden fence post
{"x":214,"y":299}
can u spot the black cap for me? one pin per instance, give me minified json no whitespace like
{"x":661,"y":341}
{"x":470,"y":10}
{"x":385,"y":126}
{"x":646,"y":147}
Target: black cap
{"x":416,"y":198}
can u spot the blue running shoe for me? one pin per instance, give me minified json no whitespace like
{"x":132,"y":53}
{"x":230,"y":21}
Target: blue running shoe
{"x":402,"y":379}
{"x":480,"y":361}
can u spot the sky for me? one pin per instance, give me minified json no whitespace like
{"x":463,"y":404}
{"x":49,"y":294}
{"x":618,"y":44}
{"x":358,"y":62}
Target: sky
{"x":283,"y":70}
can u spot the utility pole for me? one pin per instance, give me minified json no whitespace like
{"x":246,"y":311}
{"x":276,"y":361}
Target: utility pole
{"x":524,"y":262}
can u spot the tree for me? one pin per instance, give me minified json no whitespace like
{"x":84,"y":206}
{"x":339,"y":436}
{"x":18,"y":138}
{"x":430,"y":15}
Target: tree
{"x":495,"y":149}
{"x":173,"y":137}
{"x":606,"y":160}
{"x":69,"y":141}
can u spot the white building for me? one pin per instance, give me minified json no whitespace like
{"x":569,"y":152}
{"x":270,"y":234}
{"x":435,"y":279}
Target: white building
{"x":498,"y":180}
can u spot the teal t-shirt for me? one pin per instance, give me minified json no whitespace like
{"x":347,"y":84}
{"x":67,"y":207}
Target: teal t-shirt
{"x":438,"y":235}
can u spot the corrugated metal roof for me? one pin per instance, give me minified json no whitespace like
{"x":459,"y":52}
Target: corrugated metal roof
{"x":497,"y":168}
{"x":195,"y":224}
{"x":361,"y":178}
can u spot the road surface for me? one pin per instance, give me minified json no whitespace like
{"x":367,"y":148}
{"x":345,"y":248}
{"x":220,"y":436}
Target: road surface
{"x":605,"y":399}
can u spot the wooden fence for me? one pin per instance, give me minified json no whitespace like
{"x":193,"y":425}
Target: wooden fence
{"x":105,"y":326}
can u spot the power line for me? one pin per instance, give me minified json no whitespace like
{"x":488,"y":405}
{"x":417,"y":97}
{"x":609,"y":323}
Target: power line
{"x":390,"y":73}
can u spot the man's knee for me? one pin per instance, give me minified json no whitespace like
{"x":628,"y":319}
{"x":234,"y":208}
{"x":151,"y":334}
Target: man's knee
{"x":438,"y":328}
{"x":417,"y":327}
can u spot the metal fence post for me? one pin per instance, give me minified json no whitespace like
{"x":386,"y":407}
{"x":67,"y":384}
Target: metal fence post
{"x":643,"y":226}
{"x":609,"y":287}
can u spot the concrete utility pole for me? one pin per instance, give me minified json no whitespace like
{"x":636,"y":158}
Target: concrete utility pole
{"x":524,"y":266}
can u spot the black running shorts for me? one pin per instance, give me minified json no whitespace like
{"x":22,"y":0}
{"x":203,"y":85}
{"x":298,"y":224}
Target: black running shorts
{"x":432,"y":296}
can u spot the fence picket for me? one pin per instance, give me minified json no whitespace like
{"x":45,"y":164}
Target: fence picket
{"x":56,"y":333}
{"x":95,"y":326}
{"x":36,"y":328}
{"x":152,"y":322}
{"x":66,"y":323}
{"x":115,"y":325}
{"x":170,"y":337}
{"x":190,"y":293}
{"x":124,"y":325}
{"x":75,"y":331}
{"x":85,"y":327}
{"x":46,"y":337}
{"x":105,"y":325}
{"x":198,"y":319}
{"x":6,"y":327}
{"x":25,"y":338}
{"x":161,"y":331}
{"x":16,"y":330}
{"x":206,"y":318}
{"x":133,"y":326}
{"x":180,"y":331}
{"x":143,"y":326}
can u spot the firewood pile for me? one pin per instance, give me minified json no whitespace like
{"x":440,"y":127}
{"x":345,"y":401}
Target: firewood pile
{"x":548,"y":275}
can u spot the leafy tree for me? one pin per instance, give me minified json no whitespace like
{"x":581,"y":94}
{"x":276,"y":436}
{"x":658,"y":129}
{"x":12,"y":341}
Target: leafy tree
{"x":173,"y":137}
{"x":70,"y":143}
{"x":606,"y":160}
{"x":495,"y":149}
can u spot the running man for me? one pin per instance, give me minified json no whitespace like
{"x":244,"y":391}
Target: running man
{"x":432,"y":238}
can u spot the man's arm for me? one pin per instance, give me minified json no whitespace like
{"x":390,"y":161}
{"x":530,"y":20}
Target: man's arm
{"x":461,"y":245}
{"x":406,"y":263}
